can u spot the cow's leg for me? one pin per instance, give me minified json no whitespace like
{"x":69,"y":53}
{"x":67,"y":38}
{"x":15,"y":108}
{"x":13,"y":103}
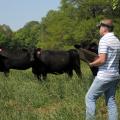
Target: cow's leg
{"x":36,"y":73}
{"x":70,"y":73}
{"x":39,"y":77}
{"x":94,"y":70}
{"x":78,"y":71}
{"x":76,"y":66}
{"x":44,"y":76}
{"x":6,"y":73}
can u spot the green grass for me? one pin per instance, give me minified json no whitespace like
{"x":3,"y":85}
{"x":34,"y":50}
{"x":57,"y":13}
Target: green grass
{"x":23,"y":97}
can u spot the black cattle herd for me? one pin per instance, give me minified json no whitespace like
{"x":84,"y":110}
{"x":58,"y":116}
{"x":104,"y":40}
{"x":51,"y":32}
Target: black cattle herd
{"x":43,"y":61}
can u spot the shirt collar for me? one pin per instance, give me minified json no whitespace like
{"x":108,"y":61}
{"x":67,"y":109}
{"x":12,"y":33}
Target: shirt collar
{"x":109,"y":34}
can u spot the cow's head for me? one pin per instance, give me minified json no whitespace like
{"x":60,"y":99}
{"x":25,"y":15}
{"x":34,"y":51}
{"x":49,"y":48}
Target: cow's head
{"x":37,"y":53}
{"x":88,"y":52}
{"x":3,"y":53}
{"x":0,"y":49}
{"x":30,"y":52}
{"x":93,"y":47}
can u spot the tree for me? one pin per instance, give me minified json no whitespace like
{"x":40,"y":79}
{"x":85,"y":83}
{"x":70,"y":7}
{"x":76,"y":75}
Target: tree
{"x":5,"y":35}
{"x":74,"y":22}
{"x":27,"y":36}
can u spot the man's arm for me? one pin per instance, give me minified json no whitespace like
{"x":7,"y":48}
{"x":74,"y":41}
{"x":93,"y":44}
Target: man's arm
{"x":100,"y":60}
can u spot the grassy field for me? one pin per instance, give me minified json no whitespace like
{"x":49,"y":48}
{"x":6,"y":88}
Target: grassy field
{"x":23,"y":97}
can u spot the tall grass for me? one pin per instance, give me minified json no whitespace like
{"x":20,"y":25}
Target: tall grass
{"x":23,"y":97}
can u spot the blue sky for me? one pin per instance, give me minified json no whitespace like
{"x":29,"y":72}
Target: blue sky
{"x":16,"y":13}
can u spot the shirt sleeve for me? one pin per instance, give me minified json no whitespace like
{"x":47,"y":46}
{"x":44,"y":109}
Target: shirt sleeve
{"x":103,"y":47}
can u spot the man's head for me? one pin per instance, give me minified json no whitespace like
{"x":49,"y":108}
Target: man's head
{"x":105,"y":26}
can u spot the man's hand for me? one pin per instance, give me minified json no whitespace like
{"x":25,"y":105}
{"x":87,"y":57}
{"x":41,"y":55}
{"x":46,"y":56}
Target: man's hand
{"x":99,"y":60}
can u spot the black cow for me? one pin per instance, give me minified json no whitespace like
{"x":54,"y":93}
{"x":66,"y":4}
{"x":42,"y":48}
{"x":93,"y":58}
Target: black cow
{"x":93,"y":47}
{"x":15,"y":59}
{"x":88,"y":53}
{"x":56,"y":62}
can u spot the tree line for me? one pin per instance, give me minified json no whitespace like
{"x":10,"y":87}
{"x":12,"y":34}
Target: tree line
{"x":74,"y":22}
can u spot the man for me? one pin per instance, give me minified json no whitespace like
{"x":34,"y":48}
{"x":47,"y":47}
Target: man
{"x":108,"y":73}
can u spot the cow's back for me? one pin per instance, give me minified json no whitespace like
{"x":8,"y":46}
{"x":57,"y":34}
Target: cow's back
{"x":54,"y":60}
{"x":16,"y":59}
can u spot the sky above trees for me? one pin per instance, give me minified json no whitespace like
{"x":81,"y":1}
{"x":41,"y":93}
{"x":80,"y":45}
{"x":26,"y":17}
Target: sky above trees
{"x":16,"y":13}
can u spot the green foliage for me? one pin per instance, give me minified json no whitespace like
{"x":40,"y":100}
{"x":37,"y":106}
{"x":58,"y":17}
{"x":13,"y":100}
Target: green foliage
{"x":74,"y":22}
{"x":5,"y":36}
{"x":26,"y":36}
{"x":116,"y":7}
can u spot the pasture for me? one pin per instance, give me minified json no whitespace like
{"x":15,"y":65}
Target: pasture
{"x":23,"y":97}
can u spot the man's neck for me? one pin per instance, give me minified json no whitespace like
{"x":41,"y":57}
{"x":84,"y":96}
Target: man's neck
{"x":105,"y":33}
